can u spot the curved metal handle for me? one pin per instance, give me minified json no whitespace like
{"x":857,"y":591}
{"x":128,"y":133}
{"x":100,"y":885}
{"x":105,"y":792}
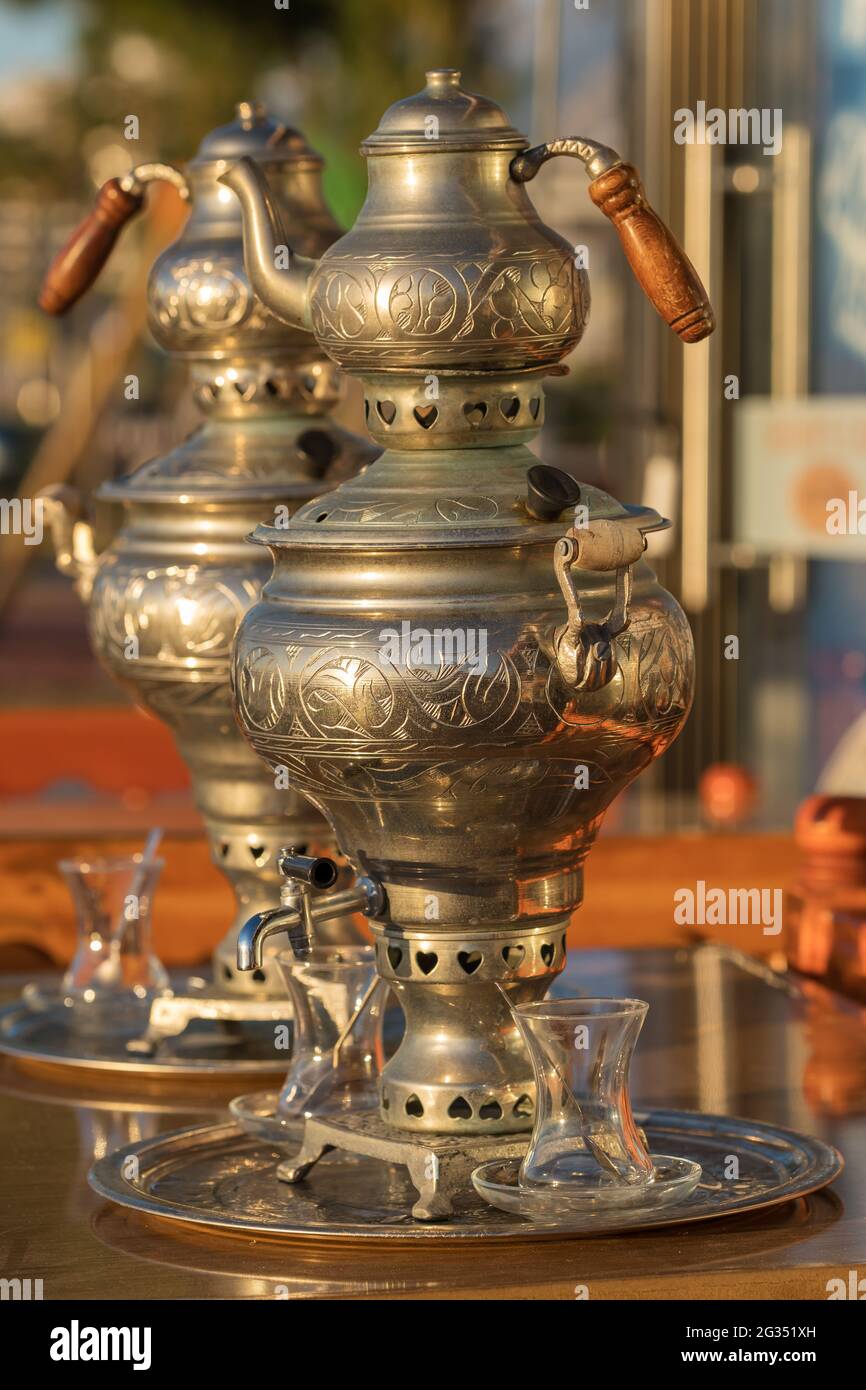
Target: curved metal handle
{"x":76,"y":267}
{"x":584,"y":651}
{"x":660,"y":265}
{"x":596,"y":158}
{"x":72,"y":536}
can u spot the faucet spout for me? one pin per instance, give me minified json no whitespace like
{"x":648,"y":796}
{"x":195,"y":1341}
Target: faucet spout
{"x":256,"y":930}
{"x":278,"y":276}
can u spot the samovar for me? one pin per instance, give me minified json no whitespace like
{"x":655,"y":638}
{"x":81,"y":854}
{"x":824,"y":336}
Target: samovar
{"x":165,"y":596}
{"x":460,"y":655}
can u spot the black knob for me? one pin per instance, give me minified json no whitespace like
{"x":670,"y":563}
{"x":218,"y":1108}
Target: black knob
{"x":549,"y":491}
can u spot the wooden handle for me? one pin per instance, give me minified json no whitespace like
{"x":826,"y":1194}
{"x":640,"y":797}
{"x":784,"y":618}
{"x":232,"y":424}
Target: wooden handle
{"x":75,"y":268}
{"x":661,"y":266}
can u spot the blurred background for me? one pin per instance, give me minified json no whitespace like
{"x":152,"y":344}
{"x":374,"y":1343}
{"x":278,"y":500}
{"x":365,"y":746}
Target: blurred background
{"x":740,"y":441}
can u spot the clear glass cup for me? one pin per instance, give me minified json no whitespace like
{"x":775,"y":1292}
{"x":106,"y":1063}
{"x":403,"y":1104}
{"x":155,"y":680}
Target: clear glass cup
{"x":584,"y":1135}
{"x":329,"y":1072}
{"x":114,"y":975}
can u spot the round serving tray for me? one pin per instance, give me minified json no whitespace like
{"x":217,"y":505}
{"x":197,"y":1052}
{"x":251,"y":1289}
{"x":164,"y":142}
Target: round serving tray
{"x":41,"y":1039}
{"x":217,"y":1178}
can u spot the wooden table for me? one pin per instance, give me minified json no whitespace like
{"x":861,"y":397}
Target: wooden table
{"x":724,"y":1033}
{"x":629,"y":897}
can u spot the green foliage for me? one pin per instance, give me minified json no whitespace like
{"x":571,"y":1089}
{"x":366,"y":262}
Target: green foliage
{"x":342,"y":61}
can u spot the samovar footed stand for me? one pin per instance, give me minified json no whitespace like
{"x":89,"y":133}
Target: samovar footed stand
{"x":420,"y":1109}
{"x":439,"y":1165}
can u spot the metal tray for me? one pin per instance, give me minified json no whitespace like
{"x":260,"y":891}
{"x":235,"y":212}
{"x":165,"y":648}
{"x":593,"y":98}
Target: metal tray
{"x":217,"y":1178}
{"x":42,"y":1039}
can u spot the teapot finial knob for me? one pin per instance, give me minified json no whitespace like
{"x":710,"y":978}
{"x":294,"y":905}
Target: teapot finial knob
{"x":249,"y":112}
{"x":443,"y":77}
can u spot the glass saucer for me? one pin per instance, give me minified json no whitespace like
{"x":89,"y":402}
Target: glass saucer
{"x":257,"y":1115}
{"x":673,"y":1180}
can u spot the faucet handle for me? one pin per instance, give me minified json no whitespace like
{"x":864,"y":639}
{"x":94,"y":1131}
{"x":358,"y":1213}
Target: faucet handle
{"x":305,"y":875}
{"x":313,"y":871}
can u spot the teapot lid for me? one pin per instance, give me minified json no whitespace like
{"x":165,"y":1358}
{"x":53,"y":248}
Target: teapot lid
{"x":443,"y":115}
{"x":253,"y":132}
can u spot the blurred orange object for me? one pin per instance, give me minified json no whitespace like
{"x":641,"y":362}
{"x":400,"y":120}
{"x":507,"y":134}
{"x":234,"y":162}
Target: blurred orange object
{"x":728,"y":793}
{"x":830,"y":833}
{"x":826,"y":915}
{"x":111,"y":749}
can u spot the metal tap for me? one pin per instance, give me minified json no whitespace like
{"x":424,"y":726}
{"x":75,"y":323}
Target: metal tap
{"x":301,"y":909}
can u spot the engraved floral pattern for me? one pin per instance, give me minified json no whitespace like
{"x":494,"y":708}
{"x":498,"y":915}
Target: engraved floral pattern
{"x":202,"y":294}
{"x":509,"y":309}
{"x":422,"y":302}
{"x":346,"y":719}
{"x":181,"y":617}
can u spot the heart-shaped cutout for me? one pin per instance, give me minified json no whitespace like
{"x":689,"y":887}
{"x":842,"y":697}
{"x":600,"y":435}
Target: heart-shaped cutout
{"x":426,"y":415}
{"x":475,"y":411}
{"x":469,"y":961}
{"x":513,"y":956}
{"x":547,"y":952}
{"x":490,"y":1110}
{"x":387,"y":412}
{"x":426,"y":961}
{"x":395,"y":957}
{"x":510,"y":407}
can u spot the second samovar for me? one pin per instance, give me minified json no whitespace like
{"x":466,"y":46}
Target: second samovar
{"x":460,"y":656}
{"x":164,"y":598}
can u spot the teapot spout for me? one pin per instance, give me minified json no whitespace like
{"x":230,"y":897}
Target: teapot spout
{"x":278,"y":276}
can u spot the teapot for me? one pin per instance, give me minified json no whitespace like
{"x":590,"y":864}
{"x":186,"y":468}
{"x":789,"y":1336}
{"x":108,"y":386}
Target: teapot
{"x":448,"y":266}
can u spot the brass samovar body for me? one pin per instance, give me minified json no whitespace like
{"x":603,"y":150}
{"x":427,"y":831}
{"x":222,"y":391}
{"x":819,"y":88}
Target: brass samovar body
{"x":460,"y":655}
{"x":165,"y":596}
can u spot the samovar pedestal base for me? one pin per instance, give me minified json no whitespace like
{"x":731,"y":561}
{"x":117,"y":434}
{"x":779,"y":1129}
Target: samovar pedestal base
{"x":439,"y":1165}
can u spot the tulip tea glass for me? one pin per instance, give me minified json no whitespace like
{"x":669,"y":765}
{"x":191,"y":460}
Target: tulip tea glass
{"x":586,"y":1154}
{"x":335,"y":1067}
{"x":114,"y":975}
